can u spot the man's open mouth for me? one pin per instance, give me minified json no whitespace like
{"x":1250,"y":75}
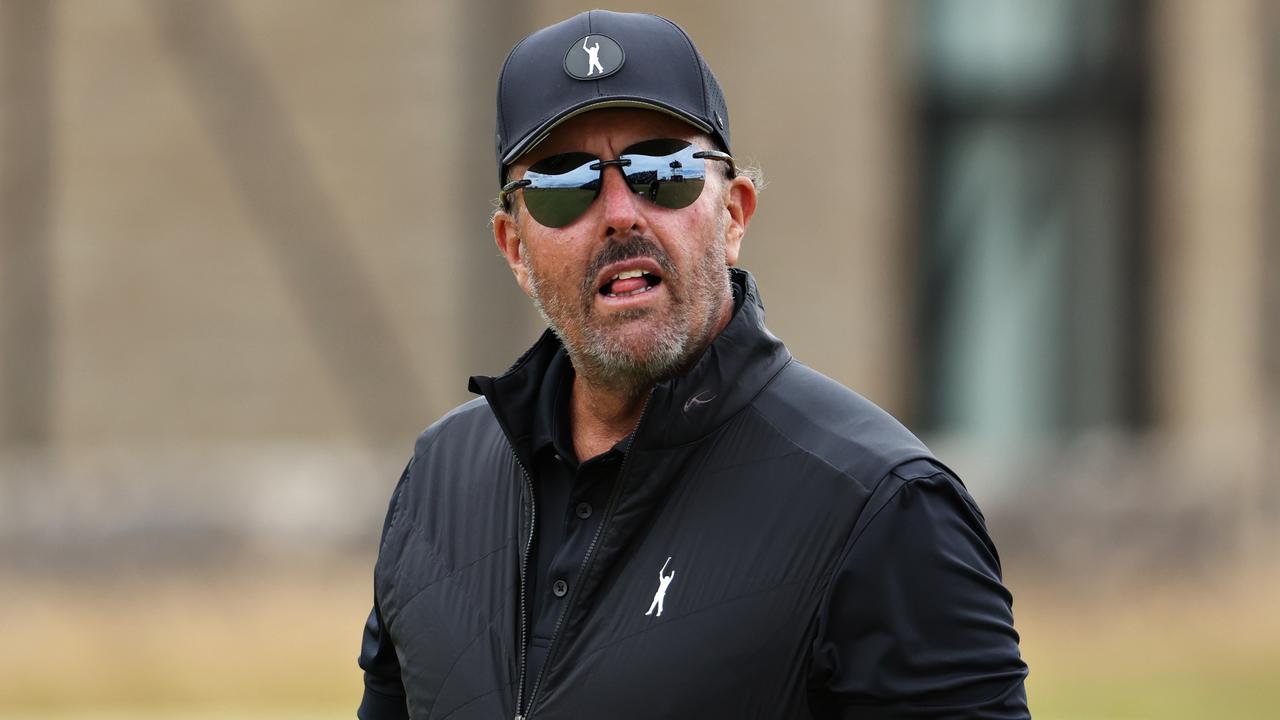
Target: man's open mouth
{"x":630,"y":282}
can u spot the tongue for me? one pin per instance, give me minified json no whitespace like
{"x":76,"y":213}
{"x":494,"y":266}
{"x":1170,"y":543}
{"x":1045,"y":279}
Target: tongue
{"x":622,"y":287}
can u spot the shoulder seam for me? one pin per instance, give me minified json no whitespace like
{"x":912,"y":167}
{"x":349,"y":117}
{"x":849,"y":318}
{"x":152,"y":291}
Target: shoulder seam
{"x":810,"y":453}
{"x":861,"y":527}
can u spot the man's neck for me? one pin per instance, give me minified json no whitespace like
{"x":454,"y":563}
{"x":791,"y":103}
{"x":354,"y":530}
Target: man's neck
{"x":600,"y":417}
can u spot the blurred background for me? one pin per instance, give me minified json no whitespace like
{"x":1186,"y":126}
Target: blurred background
{"x":244,"y":260}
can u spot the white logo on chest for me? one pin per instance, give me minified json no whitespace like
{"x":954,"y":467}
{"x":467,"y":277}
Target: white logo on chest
{"x":664,"y":581}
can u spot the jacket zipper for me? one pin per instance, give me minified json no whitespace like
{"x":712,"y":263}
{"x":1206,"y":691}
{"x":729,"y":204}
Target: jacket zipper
{"x":573,"y":593}
{"x":524,"y":573}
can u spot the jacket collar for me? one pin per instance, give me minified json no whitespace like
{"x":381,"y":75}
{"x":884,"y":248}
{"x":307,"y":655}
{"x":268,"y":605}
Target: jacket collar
{"x":732,"y":371}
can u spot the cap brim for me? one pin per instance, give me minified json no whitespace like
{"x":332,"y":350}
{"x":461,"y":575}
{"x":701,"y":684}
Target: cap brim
{"x":542,"y":131}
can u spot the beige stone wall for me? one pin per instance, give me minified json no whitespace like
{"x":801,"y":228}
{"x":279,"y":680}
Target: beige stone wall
{"x":1214,"y":241}
{"x":1211,"y":210}
{"x":245,"y":223}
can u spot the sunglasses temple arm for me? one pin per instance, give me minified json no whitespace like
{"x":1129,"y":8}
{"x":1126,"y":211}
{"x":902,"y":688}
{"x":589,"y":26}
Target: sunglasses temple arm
{"x":512,"y":187}
{"x":723,"y":157}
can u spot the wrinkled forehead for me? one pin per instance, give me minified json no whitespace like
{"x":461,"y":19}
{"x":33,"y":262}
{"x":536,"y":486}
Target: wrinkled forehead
{"x":606,"y":133}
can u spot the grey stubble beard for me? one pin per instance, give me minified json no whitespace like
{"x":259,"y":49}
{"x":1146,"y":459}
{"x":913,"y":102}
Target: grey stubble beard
{"x":602,"y":361}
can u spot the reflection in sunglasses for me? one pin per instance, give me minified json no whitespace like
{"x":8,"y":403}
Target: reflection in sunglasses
{"x":559,"y":188}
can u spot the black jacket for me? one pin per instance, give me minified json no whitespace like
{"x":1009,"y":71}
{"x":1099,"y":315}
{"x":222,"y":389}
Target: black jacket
{"x":826,"y":565}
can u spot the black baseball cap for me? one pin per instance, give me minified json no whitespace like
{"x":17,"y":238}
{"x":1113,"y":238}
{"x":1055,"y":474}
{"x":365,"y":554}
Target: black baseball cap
{"x":602,"y":59}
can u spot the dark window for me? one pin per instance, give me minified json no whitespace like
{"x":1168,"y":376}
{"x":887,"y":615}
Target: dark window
{"x":1032,"y":134}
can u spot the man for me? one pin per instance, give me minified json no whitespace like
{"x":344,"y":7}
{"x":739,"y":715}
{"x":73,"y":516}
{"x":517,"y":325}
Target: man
{"x":813,"y":559}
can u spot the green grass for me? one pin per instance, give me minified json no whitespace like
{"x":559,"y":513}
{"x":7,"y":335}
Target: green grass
{"x":1128,"y":693}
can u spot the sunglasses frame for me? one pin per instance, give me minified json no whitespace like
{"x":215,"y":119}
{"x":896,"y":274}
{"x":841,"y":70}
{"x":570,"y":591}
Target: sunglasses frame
{"x":507,"y":190}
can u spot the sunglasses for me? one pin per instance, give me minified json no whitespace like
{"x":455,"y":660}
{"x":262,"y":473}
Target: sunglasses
{"x":668,"y":173}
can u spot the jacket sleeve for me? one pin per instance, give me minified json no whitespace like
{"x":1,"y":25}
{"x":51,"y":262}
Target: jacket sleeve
{"x":916,"y":622}
{"x":384,"y":697}
{"x":384,"y":694}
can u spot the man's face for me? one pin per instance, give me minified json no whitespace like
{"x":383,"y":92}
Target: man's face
{"x":628,"y":332}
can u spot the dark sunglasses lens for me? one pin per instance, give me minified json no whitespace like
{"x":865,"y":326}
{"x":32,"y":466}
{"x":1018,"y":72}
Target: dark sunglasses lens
{"x":561,"y":188}
{"x":666,"y":172}
{"x":557,"y":207}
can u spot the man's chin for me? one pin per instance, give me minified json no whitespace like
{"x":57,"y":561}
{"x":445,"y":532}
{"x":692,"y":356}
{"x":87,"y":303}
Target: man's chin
{"x":641,"y":342}
{"x":634,"y":355}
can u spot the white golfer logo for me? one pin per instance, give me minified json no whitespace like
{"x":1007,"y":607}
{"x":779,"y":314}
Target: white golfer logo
{"x":593,"y":59}
{"x":663,"y":582}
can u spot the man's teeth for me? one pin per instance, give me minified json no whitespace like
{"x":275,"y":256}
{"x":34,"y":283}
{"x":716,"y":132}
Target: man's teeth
{"x":627,"y":275}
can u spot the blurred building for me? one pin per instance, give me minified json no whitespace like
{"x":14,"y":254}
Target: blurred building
{"x":244,"y":254}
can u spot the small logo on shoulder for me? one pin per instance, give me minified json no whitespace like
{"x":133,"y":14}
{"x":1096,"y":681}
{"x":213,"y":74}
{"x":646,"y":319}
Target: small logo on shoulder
{"x":593,"y":57}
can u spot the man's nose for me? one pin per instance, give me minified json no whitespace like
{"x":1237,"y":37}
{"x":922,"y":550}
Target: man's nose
{"x":620,"y":211}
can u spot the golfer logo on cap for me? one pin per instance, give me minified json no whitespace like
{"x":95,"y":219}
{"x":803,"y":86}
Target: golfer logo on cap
{"x":593,"y":57}
{"x":593,"y":60}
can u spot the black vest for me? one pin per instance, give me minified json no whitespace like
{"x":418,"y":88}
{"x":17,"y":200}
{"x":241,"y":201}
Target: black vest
{"x":751,"y":472}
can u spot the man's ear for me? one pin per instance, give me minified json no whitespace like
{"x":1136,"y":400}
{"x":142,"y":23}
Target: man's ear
{"x":740,"y":204}
{"x":507,"y":236}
